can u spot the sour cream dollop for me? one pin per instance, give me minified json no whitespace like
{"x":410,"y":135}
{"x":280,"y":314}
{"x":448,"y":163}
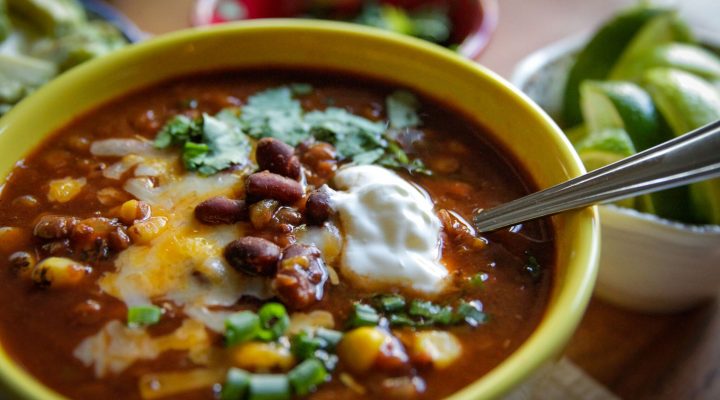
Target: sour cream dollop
{"x":392,"y":235}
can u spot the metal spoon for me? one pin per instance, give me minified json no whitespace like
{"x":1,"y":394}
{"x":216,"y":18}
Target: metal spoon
{"x":689,"y":158}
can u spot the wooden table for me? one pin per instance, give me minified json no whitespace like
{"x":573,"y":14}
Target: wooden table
{"x":636,"y":356}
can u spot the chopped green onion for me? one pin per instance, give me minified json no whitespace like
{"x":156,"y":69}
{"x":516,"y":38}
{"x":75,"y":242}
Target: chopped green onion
{"x":269,"y":387}
{"x":425,"y":309}
{"x":236,"y":384}
{"x":391,"y":303}
{"x":305,"y":377}
{"x":143,"y":315}
{"x":274,"y":321}
{"x":329,"y":360}
{"x":472,"y":313}
{"x":303,"y":346}
{"x":444,"y":316}
{"x":330,"y":336}
{"x":401,"y":319}
{"x":363,"y":315}
{"x":241,"y":327}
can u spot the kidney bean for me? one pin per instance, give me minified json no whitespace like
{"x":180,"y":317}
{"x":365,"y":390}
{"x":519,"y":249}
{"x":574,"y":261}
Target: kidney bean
{"x":221,"y":210}
{"x":321,"y":159}
{"x":95,"y":237}
{"x":301,"y":276}
{"x":277,"y":157}
{"x":317,"y":207}
{"x":253,"y":255}
{"x":54,"y":226}
{"x":266,"y":185}
{"x":118,"y":239}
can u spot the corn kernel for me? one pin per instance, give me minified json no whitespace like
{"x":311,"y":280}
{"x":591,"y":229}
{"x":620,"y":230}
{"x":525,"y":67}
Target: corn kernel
{"x":59,"y":272}
{"x":64,"y":190}
{"x":360,"y":347}
{"x":262,"y":357}
{"x":438,"y":347}
{"x":144,"y":232}
{"x":133,"y":210}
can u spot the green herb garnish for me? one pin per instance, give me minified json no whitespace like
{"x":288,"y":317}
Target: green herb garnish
{"x":274,"y":321}
{"x":402,"y":109}
{"x":241,"y":327}
{"x":139,"y":316}
{"x":363,"y":315}
{"x":306,"y":376}
{"x":213,"y":143}
{"x":209,"y":144}
{"x":237,"y":382}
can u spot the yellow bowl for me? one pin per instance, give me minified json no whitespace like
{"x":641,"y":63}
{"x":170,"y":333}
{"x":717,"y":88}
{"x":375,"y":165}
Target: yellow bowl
{"x":517,"y":124}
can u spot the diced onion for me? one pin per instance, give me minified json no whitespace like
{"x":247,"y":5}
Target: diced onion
{"x":142,"y":189}
{"x":121,"y":147}
{"x":116,"y":171}
{"x":310,"y":321}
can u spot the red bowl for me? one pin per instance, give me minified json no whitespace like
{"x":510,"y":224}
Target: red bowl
{"x":473,"y":20}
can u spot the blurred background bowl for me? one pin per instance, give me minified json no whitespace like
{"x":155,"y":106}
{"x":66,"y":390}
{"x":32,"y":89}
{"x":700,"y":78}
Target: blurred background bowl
{"x":647,"y":263}
{"x":473,"y":21}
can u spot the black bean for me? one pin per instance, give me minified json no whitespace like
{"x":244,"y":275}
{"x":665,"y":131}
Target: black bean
{"x":253,"y":255}
{"x":277,"y":157}
{"x":54,"y":226}
{"x":266,"y":185}
{"x":317,"y":207}
{"x":221,"y":210}
{"x":118,"y":239}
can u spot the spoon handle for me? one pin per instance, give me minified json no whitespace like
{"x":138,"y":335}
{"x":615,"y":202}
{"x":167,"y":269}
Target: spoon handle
{"x":689,"y":158}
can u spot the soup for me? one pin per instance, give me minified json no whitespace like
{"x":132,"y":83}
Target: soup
{"x":266,"y":235}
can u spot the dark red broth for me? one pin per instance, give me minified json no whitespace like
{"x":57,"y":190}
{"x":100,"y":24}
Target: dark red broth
{"x":40,"y":327}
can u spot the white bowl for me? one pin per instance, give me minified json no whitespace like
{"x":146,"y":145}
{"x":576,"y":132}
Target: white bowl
{"x":647,"y":263}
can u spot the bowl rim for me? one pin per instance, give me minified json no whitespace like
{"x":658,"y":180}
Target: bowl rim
{"x":560,"y":318}
{"x":471,"y":47}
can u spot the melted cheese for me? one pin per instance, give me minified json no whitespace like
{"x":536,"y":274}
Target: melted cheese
{"x":116,"y":346}
{"x":392,"y":235}
{"x":183,"y":264}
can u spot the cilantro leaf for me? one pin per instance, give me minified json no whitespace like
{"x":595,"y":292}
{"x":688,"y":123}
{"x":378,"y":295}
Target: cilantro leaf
{"x":349,"y":133}
{"x":178,"y":130}
{"x":275,"y":113}
{"x":213,"y":143}
{"x":226,"y":146}
{"x":209,"y":144}
{"x":402,"y":109}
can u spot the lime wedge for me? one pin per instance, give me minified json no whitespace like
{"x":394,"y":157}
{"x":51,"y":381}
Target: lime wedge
{"x":599,"y":149}
{"x":576,"y":133}
{"x":685,"y":100}
{"x":682,"y":56}
{"x":688,"y":102}
{"x":602,"y":148}
{"x":623,"y":105}
{"x":662,"y":29}
{"x":601,"y":53}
